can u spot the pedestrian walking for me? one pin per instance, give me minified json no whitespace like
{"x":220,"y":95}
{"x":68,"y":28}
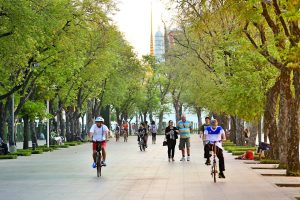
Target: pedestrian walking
{"x":171,"y":134}
{"x":185,"y":128}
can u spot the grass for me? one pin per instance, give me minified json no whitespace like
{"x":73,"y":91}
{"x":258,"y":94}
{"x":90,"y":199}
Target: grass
{"x":38,"y":151}
{"x":9,"y":156}
{"x":21,"y":152}
{"x":230,"y":150}
{"x":265,"y":161}
{"x":237,"y":153}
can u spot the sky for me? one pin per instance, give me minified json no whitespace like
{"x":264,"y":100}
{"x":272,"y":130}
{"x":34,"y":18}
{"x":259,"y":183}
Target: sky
{"x":133,"y":20}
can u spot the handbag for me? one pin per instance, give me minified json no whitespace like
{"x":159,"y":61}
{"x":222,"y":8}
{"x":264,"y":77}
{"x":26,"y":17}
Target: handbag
{"x":165,"y":142}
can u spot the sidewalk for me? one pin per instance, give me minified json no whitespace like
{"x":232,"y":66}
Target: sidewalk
{"x":67,"y":174}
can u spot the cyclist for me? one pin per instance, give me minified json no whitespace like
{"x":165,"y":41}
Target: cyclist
{"x":215,"y":133}
{"x":142,"y":131}
{"x":99,"y":133}
{"x":117,"y":132}
{"x":125,"y":127}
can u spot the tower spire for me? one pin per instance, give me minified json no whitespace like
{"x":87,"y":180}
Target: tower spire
{"x":151,"y":36}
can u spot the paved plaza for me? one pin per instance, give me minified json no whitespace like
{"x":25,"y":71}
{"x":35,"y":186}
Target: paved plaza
{"x":67,"y":174}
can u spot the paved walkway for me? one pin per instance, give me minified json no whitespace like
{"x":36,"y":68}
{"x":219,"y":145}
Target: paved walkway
{"x":67,"y":174}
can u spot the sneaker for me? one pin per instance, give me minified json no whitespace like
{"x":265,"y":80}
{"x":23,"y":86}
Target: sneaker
{"x":173,"y":159}
{"x":188,"y":158}
{"x":103,"y":163}
{"x":94,"y":165}
{"x":182,"y":159}
{"x":207,"y":162}
{"x":221,"y":175}
{"x":169,"y":159}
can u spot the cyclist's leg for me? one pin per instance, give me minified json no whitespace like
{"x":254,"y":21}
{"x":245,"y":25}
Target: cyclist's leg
{"x":94,"y":151}
{"x":221,"y":159}
{"x":207,"y":148}
{"x":103,"y":148}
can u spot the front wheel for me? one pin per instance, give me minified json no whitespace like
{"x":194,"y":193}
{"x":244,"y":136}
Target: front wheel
{"x":98,"y":162}
{"x":215,"y":172}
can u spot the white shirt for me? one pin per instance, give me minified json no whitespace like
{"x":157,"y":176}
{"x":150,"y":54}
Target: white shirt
{"x":99,"y":133}
{"x":214,"y":137}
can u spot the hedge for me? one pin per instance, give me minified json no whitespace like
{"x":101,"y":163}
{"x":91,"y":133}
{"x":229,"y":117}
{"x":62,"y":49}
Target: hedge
{"x":9,"y":156}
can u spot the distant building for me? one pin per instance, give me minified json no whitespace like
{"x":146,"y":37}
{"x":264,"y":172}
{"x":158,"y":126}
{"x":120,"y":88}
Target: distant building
{"x":159,"y":48}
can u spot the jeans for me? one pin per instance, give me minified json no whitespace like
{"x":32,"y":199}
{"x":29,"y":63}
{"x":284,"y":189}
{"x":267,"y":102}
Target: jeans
{"x":171,"y":148}
{"x":219,"y":153}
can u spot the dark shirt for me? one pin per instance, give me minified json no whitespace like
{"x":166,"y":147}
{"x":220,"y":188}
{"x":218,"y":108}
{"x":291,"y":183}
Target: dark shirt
{"x":204,"y":126}
{"x":142,"y":131}
{"x":173,"y":136}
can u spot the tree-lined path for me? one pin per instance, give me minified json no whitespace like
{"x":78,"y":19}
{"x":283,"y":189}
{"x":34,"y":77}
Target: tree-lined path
{"x":67,"y":174}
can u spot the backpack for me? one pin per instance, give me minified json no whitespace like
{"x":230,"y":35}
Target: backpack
{"x":153,"y":128}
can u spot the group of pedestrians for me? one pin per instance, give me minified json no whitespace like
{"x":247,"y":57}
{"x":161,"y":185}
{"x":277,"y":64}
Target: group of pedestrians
{"x":210,"y":133}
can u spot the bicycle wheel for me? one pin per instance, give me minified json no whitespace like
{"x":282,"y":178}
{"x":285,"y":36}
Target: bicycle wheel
{"x":98,"y":164}
{"x":215,"y":172}
{"x":141,"y":146}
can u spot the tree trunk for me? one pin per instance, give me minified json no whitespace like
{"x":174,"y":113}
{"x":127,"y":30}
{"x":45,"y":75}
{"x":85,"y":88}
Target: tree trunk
{"x":240,"y":132}
{"x":160,"y":123}
{"x":10,"y":123}
{"x":259,"y":133}
{"x":145,"y":116}
{"x":26,"y":132}
{"x":68,"y":124}
{"x":199,"y":117}
{"x":270,"y":120}
{"x":233,"y":130}
{"x":89,"y":115}
{"x":284,"y":105}
{"x":253,"y":129}
{"x":3,"y":115}
{"x":62,"y":124}
{"x":33,"y":132}
{"x":151,"y":117}
{"x":293,"y":165}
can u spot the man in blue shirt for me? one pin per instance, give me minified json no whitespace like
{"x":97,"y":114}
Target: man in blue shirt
{"x":185,"y":128}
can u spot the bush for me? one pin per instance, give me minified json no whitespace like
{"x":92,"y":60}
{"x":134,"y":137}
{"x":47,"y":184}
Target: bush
{"x":230,"y":150}
{"x":37,"y":151}
{"x":46,"y":149}
{"x":264,"y":161}
{"x":71,"y":143}
{"x":63,"y":146}
{"x":238,"y":153}
{"x":22,"y":153}
{"x":9,"y":156}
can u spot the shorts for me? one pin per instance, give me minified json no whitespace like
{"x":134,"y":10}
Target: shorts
{"x":103,"y":145}
{"x":184,"y":142}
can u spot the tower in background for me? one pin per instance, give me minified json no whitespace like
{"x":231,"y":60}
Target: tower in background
{"x":151,"y":36}
{"x":159,"y":51}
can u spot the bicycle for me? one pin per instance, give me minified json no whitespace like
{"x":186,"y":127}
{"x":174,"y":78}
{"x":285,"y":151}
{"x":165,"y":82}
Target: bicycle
{"x":98,"y":158}
{"x":142,"y":143}
{"x":117,"y":136}
{"x":125,"y":135}
{"x":214,"y":168}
